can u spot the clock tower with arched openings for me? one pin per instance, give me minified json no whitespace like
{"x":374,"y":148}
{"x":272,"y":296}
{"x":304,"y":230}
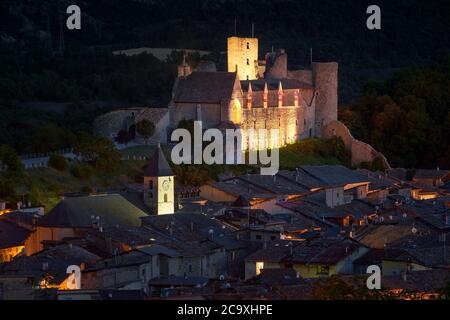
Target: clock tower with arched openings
{"x":159,"y":184}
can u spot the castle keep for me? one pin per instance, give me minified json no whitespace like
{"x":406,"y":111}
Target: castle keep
{"x":252,"y":94}
{"x":257,"y":94}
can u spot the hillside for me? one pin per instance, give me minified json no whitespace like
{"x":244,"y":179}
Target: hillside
{"x":413,"y":32}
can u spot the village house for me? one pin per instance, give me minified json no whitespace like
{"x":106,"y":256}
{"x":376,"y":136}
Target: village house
{"x":316,"y":258}
{"x":432,"y":178}
{"x":22,"y":277}
{"x":73,"y":216}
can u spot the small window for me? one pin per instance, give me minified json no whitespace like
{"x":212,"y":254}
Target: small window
{"x":151,"y":184}
{"x":165,"y":197}
{"x":324,"y":270}
{"x":258,"y":237}
{"x":248,"y":78}
{"x":248,"y":62}
{"x":248,"y":45}
{"x":272,"y":238}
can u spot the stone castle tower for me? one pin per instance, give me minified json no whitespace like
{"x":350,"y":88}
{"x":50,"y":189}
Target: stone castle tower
{"x":243,"y":57}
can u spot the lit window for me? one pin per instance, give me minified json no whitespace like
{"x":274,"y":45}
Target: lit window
{"x":259,"y":267}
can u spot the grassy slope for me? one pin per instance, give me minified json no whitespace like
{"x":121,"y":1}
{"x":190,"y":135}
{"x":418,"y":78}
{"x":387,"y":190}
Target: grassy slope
{"x":46,"y":184}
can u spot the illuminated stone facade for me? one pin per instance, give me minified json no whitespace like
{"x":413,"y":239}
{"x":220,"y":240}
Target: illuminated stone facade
{"x":243,"y":57}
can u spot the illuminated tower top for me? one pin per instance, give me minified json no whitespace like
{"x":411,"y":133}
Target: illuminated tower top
{"x":243,"y":57}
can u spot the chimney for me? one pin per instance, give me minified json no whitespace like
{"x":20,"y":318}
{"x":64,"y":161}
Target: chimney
{"x":297,"y":275}
{"x":192,"y":226}
{"x":237,"y":235}
{"x":405,"y":276}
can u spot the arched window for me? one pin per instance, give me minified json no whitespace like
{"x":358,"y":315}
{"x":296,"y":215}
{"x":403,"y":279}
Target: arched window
{"x":236,"y":112}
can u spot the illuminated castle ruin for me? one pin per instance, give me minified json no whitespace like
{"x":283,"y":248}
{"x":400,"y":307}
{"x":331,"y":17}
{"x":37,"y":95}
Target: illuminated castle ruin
{"x":257,"y":94}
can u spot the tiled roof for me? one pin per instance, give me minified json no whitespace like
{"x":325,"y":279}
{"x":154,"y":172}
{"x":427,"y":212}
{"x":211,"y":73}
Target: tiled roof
{"x":56,"y":260}
{"x":178,"y":281}
{"x":12,"y":235}
{"x":334,"y":175}
{"x":280,"y":277}
{"x":421,"y":281}
{"x":112,"y":209}
{"x":205,"y":87}
{"x":431,"y":174}
{"x":158,"y":165}
{"x":325,"y":251}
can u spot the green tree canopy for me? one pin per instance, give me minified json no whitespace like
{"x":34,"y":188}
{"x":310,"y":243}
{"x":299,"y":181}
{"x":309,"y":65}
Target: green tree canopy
{"x":146,"y":129}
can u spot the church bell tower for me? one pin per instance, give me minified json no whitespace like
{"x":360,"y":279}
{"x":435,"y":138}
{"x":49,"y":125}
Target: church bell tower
{"x":159,"y":185}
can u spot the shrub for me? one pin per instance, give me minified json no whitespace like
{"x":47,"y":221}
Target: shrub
{"x":58,"y":162}
{"x":81,"y":171}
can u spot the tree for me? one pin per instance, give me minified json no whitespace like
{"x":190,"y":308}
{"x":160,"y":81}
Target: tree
{"x":13,"y":171}
{"x":12,"y":162}
{"x":146,"y":129}
{"x":50,"y":137}
{"x":58,"y":162}
{"x":98,"y":151}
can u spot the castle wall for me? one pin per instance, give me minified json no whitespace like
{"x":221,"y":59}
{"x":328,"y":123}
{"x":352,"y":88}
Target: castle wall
{"x":307,"y":116}
{"x":211,"y":114}
{"x":285,"y":119}
{"x":360,"y":151}
{"x":108,"y":125}
{"x":278,"y":68}
{"x":305,"y":76}
{"x":243,"y":53}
